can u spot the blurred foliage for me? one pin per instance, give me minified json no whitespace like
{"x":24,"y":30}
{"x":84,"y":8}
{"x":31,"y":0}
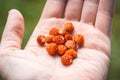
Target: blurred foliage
{"x":31,"y":10}
{"x":114,"y":70}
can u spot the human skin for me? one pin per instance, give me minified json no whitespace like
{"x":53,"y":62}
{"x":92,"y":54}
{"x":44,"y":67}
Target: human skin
{"x":91,"y":18}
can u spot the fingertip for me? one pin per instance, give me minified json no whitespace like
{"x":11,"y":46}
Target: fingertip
{"x":15,"y":19}
{"x":15,"y":13}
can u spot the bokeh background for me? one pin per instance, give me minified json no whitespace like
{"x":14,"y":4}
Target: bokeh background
{"x":31,"y":10}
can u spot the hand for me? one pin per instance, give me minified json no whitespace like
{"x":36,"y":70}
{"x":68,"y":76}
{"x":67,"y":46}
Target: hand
{"x":92,"y":18}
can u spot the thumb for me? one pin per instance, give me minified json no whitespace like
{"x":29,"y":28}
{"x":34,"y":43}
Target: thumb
{"x":13,"y":32}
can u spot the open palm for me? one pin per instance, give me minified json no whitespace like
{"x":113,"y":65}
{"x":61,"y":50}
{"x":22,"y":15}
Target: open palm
{"x":92,"y":18}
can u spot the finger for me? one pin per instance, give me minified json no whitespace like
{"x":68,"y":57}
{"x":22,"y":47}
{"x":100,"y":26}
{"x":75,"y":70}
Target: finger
{"x":89,"y":11}
{"x":104,"y":16}
{"x":53,"y":8}
{"x":13,"y":32}
{"x":73,"y":9}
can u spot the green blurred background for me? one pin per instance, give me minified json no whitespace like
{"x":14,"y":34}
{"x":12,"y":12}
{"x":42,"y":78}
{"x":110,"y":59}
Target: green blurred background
{"x":31,"y":10}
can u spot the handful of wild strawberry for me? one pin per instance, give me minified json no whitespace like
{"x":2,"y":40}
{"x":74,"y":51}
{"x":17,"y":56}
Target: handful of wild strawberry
{"x":62,"y":43}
